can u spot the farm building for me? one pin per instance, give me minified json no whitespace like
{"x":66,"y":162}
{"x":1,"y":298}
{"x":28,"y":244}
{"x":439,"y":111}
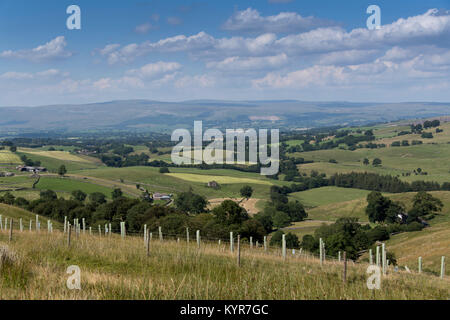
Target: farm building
{"x":160,"y":196}
{"x":7,"y":174}
{"x":213,"y":184}
{"x":31,"y":169}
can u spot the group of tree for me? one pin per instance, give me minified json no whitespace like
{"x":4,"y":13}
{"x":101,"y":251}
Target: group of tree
{"x":348,"y":235}
{"x":381,"y":209}
{"x":382,"y":183}
{"x":279,"y":211}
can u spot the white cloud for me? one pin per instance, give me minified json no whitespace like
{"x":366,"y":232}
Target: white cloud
{"x":154,"y":70}
{"x":47,"y":74}
{"x":249,"y":64}
{"x":144,"y":28}
{"x":203,"y":81}
{"x":54,"y":49}
{"x":251,"y":21}
{"x":430,"y":28}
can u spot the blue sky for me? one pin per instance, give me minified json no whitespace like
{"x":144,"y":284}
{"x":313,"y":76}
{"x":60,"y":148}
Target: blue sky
{"x":261,"y":49}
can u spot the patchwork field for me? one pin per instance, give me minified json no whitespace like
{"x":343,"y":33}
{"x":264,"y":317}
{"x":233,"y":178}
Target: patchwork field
{"x":60,"y":155}
{"x":151,"y":179}
{"x":68,"y":185}
{"x":356,"y":208}
{"x":431,"y":158}
{"x":7,"y":157}
{"x":328,"y":195}
{"x":219,"y":179}
{"x":53,"y":163}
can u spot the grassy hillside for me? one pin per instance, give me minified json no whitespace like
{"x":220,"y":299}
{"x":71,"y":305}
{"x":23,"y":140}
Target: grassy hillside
{"x":15,"y":213}
{"x":328,"y":195}
{"x":430,"y":244}
{"x":119,"y":269}
{"x":68,"y":185}
{"x":432,"y":157}
{"x":54,"y":159}
{"x":8,"y":158}
{"x":181,"y":179}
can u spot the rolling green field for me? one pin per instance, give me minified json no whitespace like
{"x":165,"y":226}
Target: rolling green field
{"x":53,"y":164}
{"x":59,"y":155}
{"x":15,"y":213}
{"x":154,"y":181}
{"x":7,"y":157}
{"x":328,"y":195}
{"x":68,"y":185}
{"x":201,"y":178}
{"x":432,"y":157}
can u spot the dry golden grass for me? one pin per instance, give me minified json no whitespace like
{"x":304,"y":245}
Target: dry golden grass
{"x":113,"y":268}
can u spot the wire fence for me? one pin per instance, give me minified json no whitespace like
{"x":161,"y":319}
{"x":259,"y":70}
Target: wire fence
{"x":34,"y":225}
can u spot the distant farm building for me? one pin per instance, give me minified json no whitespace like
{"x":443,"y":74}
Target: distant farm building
{"x":161,"y":196}
{"x":31,"y":169}
{"x":213,"y":184}
{"x":7,"y":174}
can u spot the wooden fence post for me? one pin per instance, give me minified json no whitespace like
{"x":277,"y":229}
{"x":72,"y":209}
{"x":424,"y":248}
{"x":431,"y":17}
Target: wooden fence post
{"x":321,"y":251}
{"x":1,"y":222}
{"x":21,"y":225}
{"x":99,"y":230}
{"x":251,"y":242}
{"x":378,"y":256}
{"x":442,"y":267}
{"x":339,"y":256}
{"x":110,"y":229}
{"x":69,"y":231}
{"x":384,"y":258}
{"x":231,"y":242}
{"x":283,"y":245}
{"x":198,"y":239}
{"x":90,"y":231}
{"x":345,"y":268}
{"x":265,"y":243}
{"x":84,"y":225}
{"x":147,"y":243}
{"x":145,"y":233}
{"x":65,"y":224}
{"x":160,"y":234}
{"x":239,"y":250}
{"x":420,"y":264}
{"x":31,"y":222}
{"x":11,"y":225}
{"x":370,"y":257}
{"x":187,"y":235}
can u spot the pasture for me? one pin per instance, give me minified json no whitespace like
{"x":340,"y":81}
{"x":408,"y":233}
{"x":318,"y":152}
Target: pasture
{"x":52,"y":162}
{"x":117,"y":269}
{"x":9,"y":158}
{"x":327,"y":195}
{"x":68,"y":185}
{"x":431,"y":158}
{"x":151,"y":179}
{"x":201,"y":178}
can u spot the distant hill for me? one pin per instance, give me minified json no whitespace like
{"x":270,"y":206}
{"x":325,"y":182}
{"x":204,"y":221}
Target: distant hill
{"x":147,"y":115}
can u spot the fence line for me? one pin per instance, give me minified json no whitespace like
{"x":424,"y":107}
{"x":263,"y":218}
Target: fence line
{"x":381,"y":260}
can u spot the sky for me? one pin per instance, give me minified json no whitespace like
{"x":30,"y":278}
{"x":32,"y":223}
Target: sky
{"x":176,"y":50}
